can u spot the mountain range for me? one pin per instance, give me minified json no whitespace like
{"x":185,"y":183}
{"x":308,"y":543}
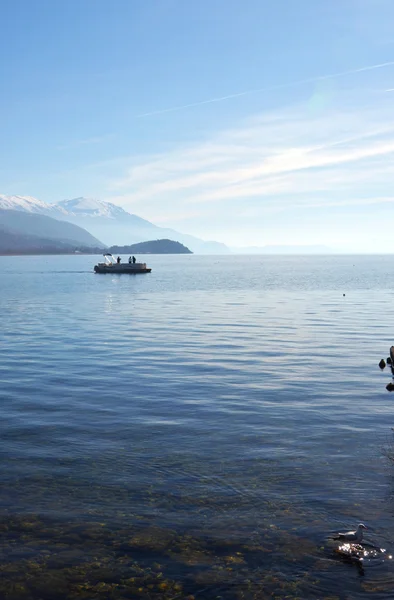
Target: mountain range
{"x":105,"y":221}
{"x":12,"y":242}
{"x":26,"y":231}
{"x":86,"y":223}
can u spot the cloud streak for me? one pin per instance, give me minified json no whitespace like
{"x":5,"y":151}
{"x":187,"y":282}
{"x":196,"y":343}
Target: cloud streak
{"x":268,"y":89}
{"x":276,"y":167}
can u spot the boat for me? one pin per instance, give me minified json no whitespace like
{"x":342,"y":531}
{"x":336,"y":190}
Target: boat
{"x":111,"y":265}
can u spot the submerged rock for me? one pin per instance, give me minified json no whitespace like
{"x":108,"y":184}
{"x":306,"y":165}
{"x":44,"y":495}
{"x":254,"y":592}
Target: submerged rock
{"x":382,"y":364}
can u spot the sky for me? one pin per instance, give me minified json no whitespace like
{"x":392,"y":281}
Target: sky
{"x":247,"y":122}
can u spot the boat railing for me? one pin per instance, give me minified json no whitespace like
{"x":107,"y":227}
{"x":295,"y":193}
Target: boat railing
{"x":112,"y":263}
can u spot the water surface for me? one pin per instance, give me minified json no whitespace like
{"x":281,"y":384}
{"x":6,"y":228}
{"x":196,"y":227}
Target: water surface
{"x":196,"y":431}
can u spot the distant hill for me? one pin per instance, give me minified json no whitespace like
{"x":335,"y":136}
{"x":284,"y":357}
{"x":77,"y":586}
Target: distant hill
{"x":47,"y":228}
{"x":272,"y":249}
{"x":108,"y":222}
{"x":152,"y":247}
{"x":19,"y":243}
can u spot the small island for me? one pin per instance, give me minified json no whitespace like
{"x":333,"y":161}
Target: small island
{"x":152,"y":247}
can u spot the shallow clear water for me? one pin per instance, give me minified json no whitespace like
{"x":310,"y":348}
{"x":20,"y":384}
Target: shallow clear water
{"x":201,"y":429}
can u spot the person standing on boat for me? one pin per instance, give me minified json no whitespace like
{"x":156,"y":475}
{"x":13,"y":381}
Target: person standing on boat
{"x":118,"y":260}
{"x":133,"y":260}
{"x":129,"y":260}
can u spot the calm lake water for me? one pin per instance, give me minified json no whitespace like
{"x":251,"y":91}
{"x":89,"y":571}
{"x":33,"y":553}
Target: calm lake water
{"x":198,"y":431}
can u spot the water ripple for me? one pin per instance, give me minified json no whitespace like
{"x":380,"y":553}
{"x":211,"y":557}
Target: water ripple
{"x":231,"y":407}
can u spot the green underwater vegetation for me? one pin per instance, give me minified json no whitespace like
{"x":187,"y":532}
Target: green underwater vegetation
{"x":52,"y":559}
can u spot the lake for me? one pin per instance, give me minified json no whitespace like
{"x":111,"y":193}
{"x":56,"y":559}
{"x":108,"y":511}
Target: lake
{"x":198,"y":431}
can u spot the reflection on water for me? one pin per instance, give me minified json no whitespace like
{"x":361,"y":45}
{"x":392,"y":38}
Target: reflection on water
{"x":194,"y":433}
{"x":363,"y":552}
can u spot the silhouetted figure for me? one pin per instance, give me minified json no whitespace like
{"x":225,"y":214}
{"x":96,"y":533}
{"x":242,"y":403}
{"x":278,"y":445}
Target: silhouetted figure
{"x":133,"y":260}
{"x":118,"y":260}
{"x":129,"y":260}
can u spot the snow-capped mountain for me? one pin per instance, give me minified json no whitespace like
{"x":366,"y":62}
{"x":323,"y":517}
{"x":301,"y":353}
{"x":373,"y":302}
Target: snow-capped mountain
{"x":24,"y":203}
{"x":90,"y":207}
{"x":109,"y":223}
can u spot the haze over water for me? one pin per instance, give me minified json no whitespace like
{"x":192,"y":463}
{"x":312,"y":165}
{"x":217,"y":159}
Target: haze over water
{"x":205,"y":426}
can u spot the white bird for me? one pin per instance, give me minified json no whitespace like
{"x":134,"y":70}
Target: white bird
{"x":351,"y":536}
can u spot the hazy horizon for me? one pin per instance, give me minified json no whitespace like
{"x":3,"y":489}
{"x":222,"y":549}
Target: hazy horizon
{"x":251,"y":125}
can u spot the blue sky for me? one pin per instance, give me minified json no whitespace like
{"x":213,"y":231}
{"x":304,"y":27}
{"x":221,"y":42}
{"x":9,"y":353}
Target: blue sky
{"x":248,"y":122}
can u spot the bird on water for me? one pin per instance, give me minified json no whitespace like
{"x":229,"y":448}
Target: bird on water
{"x":351,"y":536}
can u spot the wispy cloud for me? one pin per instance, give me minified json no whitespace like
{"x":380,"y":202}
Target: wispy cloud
{"x":271,"y":88}
{"x":273,"y":164}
